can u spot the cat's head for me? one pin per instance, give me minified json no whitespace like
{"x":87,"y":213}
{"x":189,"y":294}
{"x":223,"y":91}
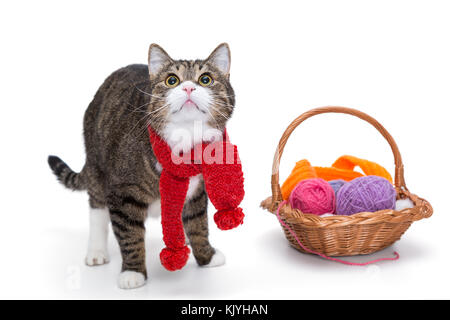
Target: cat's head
{"x":188,"y":91}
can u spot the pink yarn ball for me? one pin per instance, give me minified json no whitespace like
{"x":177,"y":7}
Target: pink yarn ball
{"x":314,"y":196}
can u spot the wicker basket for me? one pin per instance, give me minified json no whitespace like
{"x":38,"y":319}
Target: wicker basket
{"x":340,"y":235}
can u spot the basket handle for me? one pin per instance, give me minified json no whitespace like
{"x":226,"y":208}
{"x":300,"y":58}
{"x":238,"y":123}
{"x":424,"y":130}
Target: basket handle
{"x":276,"y":190}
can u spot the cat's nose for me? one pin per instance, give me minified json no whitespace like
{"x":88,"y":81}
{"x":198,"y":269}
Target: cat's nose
{"x":189,"y":89}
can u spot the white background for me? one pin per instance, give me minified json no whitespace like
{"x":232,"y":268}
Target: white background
{"x":390,"y":59}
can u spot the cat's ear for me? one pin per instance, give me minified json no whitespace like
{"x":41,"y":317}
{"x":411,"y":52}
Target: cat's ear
{"x":221,"y":58}
{"x":157,"y":58}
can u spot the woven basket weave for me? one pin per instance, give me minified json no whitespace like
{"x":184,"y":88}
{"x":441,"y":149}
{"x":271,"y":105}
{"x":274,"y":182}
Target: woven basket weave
{"x":339,"y":235}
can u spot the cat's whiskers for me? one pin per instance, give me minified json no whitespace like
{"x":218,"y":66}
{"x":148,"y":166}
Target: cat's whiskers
{"x":217,"y":110}
{"x":205,"y":107}
{"x":180,"y":101}
{"x":153,"y":118}
{"x":151,"y":95}
{"x":149,"y":121}
{"x":146,"y":116}
{"x":138,"y":108}
{"x":212,"y":117}
{"x":222,"y":103}
{"x":223,"y":95}
{"x":225,"y":105}
{"x":164,"y":106}
{"x":220,"y":113}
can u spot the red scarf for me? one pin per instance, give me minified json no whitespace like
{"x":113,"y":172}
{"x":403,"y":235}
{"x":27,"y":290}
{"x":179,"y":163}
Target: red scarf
{"x":222,"y":172}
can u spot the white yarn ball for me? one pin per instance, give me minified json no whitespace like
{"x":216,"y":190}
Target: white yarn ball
{"x":403,"y":204}
{"x":327,"y":215}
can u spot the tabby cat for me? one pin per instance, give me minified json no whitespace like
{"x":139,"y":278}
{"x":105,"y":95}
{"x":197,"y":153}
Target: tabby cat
{"x":186,"y":102}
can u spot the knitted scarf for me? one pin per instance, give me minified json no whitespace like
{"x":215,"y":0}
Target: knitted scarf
{"x":220,"y":166}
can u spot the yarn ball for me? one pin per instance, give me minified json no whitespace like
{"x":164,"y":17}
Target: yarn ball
{"x":401,"y":204}
{"x":336,"y":184}
{"x":365,"y":194}
{"x":314,"y":196}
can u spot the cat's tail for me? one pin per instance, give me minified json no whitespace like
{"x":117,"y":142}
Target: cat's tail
{"x":65,"y":175}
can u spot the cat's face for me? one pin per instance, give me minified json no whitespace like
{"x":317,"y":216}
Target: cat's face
{"x":187,"y":91}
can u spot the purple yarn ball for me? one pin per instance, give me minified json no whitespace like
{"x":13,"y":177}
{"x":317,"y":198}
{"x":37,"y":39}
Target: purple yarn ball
{"x":365,"y":194}
{"x":336,"y":184}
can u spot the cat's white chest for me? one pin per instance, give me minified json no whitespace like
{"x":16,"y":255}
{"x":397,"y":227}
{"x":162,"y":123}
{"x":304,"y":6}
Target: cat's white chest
{"x":194,"y":182}
{"x":184,"y":136}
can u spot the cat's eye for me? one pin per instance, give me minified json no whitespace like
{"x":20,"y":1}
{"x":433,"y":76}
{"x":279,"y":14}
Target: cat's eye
{"x":172,"y":81}
{"x":205,"y":80}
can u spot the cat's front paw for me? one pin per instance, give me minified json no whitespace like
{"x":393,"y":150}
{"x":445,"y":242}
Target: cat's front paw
{"x":96,"y":257}
{"x":131,"y":280}
{"x":217,"y":260}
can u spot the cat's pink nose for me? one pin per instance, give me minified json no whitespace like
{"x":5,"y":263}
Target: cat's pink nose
{"x":189,"y":89}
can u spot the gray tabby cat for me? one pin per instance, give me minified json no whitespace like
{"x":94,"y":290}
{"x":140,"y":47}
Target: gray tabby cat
{"x":185,"y":102}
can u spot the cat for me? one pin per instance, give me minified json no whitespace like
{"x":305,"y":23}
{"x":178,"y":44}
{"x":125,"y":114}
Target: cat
{"x":185,"y":102}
